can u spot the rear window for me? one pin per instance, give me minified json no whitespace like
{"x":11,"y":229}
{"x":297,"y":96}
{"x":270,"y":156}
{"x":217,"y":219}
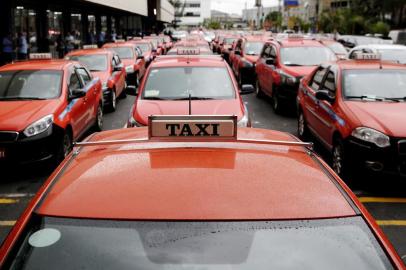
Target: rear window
{"x":306,"y":56}
{"x":58,"y":243}
{"x":124,"y":52}
{"x":92,"y":62}
{"x":144,"y":47}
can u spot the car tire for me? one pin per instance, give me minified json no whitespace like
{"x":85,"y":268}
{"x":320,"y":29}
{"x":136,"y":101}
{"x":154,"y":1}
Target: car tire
{"x":258,"y":91}
{"x":113,"y":101}
{"x":64,"y":147}
{"x":276,"y":102}
{"x":302,"y":130}
{"x":339,"y":162}
{"x":98,"y":126}
{"x":123,"y":94}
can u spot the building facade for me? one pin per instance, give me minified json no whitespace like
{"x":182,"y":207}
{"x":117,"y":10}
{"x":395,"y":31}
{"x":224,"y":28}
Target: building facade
{"x":194,"y":13}
{"x":255,"y":16}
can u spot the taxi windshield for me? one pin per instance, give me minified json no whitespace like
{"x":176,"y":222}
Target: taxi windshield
{"x":229,"y":41}
{"x":92,"y":62}
{"x":306,"y":56}
{"x":337,"y":48}
{"x":30,"y":84}
{"x":398,"y":56}
{"x":59,"y":243}
{"x":144,"y":47}
{"x":253,"y":48}
{"x":123,"y":52}
{"x":200,"y":82}
{"x":375,"y":84}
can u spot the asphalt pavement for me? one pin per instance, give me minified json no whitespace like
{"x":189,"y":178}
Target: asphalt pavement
{"x":384,"y":198}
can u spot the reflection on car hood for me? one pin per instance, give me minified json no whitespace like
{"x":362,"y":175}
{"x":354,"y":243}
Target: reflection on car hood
{"x":387,"y":117}
{"x":181,"y":107}
{"x":297,"y":71}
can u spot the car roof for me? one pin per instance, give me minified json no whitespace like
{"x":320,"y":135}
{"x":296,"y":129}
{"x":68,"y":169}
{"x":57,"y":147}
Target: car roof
{"x":297,"y":42}
{"x":189,"y":60}
{"x":381,"y":47}
{"x":46,"y":64}
{"x":202,"y":181}
{"x":89,"y":52}
{"x":119,"y":44}
{"x":368,"y":64}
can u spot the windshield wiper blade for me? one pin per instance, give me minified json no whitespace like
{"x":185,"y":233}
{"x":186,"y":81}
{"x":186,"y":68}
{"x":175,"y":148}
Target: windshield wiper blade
{"x":155,"y":98}
{"x":293,"y":65}
{"x":398,"y":99}
{"x":21,"y":98}
{"x":194,"y":98}
{"x":366,"y":97}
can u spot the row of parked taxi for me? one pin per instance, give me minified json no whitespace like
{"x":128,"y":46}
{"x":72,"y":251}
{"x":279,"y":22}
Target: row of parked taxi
{"x":351,"y":101}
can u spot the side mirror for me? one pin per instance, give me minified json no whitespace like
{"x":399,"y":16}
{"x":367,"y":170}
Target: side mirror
{"x":270,"y":61}
{"x":76,"y":93}
{"x":237,"y":52}
{"x":247,"y":89}
{"x":118,"y":68}
{"x":324,"y":95}
{"x":154,"y":50}
{"x":140,"y":57}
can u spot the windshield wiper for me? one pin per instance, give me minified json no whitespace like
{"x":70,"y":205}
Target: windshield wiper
{"x":366,"y":97}
{"x":194,"y":98}
{"x":293,"y":65}
{"x":398,"y":99}
{"x":156,"y":98}
{"x":21,"y":98}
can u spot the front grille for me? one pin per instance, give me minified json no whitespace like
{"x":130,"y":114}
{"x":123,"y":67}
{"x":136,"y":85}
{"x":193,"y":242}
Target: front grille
{"x":8,"y":136}
{"x":402,"y":147}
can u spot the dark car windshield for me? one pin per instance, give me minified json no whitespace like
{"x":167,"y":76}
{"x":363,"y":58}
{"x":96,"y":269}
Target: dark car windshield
{"x":179,"y":82}
{"x":375,"y":84}
{"x":92,"y":62}
{"x":333,"y":244}
{"x":144,"y":47}
{"x":253,"y":48}
{"x":306,"y":56}
{"x":30,"y":84}
{"x":123,"y":52}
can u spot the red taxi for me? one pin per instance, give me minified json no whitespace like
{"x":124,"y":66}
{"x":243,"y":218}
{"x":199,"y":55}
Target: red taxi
{"x":146,"y":48}
{"x":166,"y":40}
{"x":203,"y":197}
{"x":226,"y":46}
{"x":356,"y":109}
{"x":46,"y":105}
{"x":159,"y":48}
{"x":107,"y":66}
{"x":283,"y":63}
{"x":185,"y":84}
{"x":244,"y":57}
{"x":132,"y":58}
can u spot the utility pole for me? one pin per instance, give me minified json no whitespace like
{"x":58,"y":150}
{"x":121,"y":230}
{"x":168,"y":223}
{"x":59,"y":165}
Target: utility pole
{"x":258,"y":4}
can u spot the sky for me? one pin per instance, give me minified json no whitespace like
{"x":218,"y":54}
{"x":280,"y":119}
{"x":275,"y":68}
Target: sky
{"x":236,"y":6}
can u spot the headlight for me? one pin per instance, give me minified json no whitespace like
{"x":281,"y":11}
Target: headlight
{"x":129,"y":69}
{"x":39,"y":126}
{"x":372,"y":136}
{"x":245,"y":120}
{"x":287,"y":79}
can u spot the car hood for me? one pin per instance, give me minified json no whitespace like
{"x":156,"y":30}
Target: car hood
{"x":104,"y":76}
{"x":17,"y":115}
{"x":146,"y":108}
{"x":252,"y":58}
{"x":128,"y":62}
{"x":299,"y":71}
{"x":387,"y":117}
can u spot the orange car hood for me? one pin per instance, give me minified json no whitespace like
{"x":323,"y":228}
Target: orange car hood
{"x":298,"y":71}
{"x":146,"y":108}
{"x":252,"y":58}
{"x":17,"y":115}
{"x":387,"y":117}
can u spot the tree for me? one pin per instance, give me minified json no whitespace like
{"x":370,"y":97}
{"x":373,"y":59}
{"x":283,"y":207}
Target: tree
{"x":274,"y":18}
{"x":213,"y":25}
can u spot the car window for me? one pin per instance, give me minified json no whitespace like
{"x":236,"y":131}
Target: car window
{"x":266,"y":51}
{"x":84,"y":75}
{"x":61,"y":243}
{"x":272,"y":53}
{"x":253,"y":48}
{"x":329,"y":83}
{"x":318,"y":78}
{"x":96,"y":62}
{"x":306,"y":56}
{"x":74,"y":82}
{"x":123,"y":52}
{"x":144,"y":47}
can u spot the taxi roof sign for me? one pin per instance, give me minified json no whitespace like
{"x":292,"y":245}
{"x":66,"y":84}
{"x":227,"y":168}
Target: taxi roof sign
{"x":192,"y":127}
{"x":34,"y":56}
{"x":92,"y":46}
{"x":188,"y":51}
{"x":366,"y":56}
{"x":295,"y":36}
{"x":119,"y":40}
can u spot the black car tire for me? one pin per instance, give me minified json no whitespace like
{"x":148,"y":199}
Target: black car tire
{"x":302,"y":130}
{"x":98,"y":125}
{"x":276,"y":102}
{"x":258,"y":91}
{"x":113,"y":101}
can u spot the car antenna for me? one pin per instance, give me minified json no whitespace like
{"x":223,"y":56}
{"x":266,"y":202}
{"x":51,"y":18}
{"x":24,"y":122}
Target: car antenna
{"x":190,"y":103}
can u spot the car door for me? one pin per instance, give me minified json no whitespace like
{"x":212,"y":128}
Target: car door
{"x":260,"y":67}
{"x":325,"y":113}
{"x":76,"y":107}
{"x":269,"y":71}
{"x":310,"y":100}
{"x":118,"y":75}
{"x":89,"y":86}
{"x":140,"y":63}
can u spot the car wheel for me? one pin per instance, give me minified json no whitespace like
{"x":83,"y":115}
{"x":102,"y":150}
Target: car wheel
{"x":113,"y":101}
{"x":302,"y":130}
{"x":124,"y":93}
{"x":338,"y":158}
{"x":276,"y":102}
{"x":98,"y":126}
{"x":258,"y":90}
{"x":63,"y":149}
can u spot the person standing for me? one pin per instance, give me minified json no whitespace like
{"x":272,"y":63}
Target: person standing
{"x":22,"y":49}
{"x":8,"y":49}
{"x":69,"y":43}
{"x":60,"y":46}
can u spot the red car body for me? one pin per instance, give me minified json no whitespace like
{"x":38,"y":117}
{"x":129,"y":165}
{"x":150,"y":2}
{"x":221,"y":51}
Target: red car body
{"x":333,"y":120}
{"x":159,"y":48}
{"x":73,"y":108}
{"x":113,"y":78}
{"x":280,"y":80}
{"x":146,"y":47}
{"x":145,"y":107}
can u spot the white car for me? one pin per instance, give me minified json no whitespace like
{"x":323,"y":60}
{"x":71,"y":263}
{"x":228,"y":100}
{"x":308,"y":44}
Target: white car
{"x":396,"y":53}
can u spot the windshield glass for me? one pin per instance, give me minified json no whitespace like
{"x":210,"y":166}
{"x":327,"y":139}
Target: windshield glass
{"x":124,"y":52}
{"x":375,"y":83}
{"x":306,"y":56}
{"x":30,"y":84}
{"x":199,"y":82}
{"x":253,"y":48}
{"x":337,"y":48}
{"x":345,"y":243}
{"x":92,"y":62}
{"x":229,"y":41}
{"x":144,"y":47}
{"x":398,"y":56}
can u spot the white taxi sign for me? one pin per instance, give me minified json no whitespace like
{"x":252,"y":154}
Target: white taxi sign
{"x":366,"y":56}
{"x":88,"y":47}
{"x":188,"y":51}
{"x":34,"y":56}
{"x":192,"y":127}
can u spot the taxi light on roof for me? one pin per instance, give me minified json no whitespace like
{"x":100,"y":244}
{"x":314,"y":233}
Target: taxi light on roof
{"x":87,"y":47}
{"x":192,"y":127}
{"x":119,"y":40}
{"x":40,"y":56}
{"x":188,"y":51}
{"x":366,"y":56}
{"x":295,"y":36}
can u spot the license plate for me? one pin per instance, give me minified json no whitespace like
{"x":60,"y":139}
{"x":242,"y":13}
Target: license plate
{"x":2,"y":153}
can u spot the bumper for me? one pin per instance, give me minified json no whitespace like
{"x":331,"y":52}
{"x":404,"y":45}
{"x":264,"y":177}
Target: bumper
{"x":29,"y":150}
{"x":378,"y":161}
